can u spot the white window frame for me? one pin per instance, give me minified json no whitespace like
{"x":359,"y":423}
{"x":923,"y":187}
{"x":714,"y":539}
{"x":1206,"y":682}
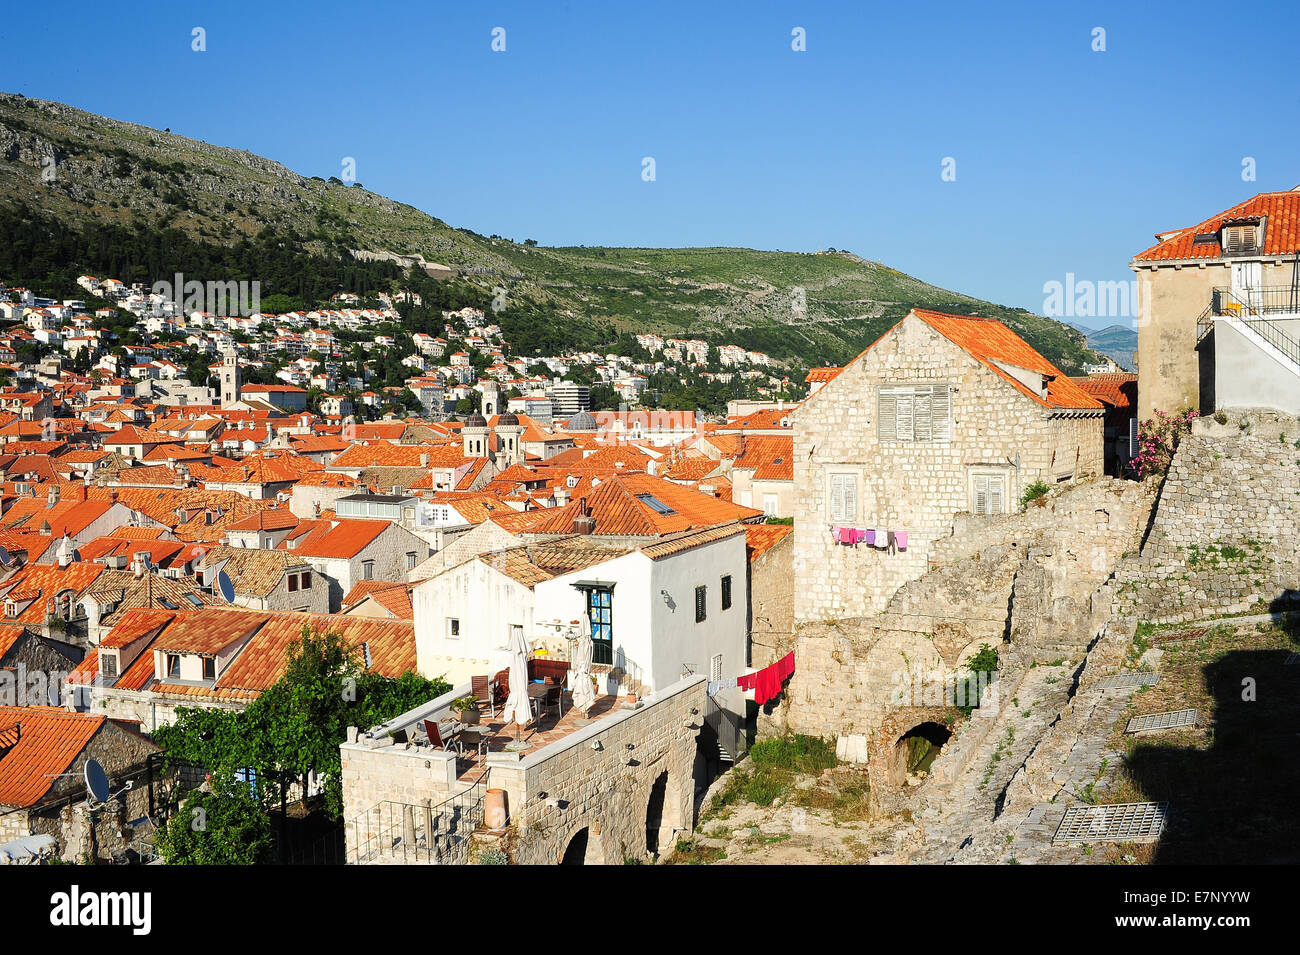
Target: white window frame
{"x":988,"y":476}
{"x":453,"y":628}
{"x":843,"y":514}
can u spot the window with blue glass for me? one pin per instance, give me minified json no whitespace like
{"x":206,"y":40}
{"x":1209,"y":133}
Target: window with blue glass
{"x":601,"y":613}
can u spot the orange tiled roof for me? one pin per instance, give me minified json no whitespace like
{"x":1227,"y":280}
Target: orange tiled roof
{"x":1281,"y":230}
{"x":1117,"y":389}
{"x":816,"y":375}
{"x":760,"y":538}
{"x":772,"y":458}
{"x":48,"y":744}
{"x":273,"y":519}
{"x":388,"y":455}
{"x":988,"y":340}
{"x":345,"y":538}
{"x":621,"y":507}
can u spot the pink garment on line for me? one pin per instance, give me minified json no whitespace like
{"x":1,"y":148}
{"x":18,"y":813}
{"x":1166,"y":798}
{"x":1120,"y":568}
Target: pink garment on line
{"x":900,"y":538}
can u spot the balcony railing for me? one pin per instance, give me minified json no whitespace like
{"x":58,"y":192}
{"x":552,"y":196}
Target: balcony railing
{"x":1266,"y":300}
{"x":1250,"y":306}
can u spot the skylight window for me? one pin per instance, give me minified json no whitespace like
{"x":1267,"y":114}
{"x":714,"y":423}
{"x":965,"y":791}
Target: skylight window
{"x":658,"y":506}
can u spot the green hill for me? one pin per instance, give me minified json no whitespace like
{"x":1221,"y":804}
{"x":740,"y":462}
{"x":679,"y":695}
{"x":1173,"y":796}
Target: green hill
{"x":67,"y":170}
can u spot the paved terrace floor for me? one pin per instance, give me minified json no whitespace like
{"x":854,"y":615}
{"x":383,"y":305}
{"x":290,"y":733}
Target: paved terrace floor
{"x":541,"y":732}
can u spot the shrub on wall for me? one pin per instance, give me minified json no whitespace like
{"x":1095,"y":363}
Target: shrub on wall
{"x":1158,"y":439}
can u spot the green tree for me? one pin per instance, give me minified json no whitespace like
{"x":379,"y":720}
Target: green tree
{"x":224,"y":826}
{"x":295,"y":727}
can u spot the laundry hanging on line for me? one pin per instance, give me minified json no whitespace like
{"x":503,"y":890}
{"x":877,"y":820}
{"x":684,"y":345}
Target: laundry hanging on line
{"x":766,"y":683}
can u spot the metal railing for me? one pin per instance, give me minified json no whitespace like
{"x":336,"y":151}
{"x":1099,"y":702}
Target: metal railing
{"x":433,"y":834}
{"x":1249,"y":305}
{"x":1265,"y":300}
{"x":727,"y":728}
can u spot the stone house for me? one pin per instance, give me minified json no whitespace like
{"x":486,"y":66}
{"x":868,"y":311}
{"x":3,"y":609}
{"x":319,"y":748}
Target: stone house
{"x":347,"y":552}
{"x":1219,"y":313}
{"x":943,"y":415}
{"x":268,"y":579}
{"x":43,"y":753}
{"x":156,"y":661}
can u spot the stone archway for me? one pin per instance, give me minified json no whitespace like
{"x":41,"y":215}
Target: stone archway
{"x":656,"y":813}
{"x":575,"y":853}
{"x":916,"y":750}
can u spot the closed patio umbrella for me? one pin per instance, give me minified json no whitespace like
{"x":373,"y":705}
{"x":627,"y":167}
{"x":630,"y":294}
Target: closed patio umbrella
{"x":580,"y":675}
{"x":517,"y":710}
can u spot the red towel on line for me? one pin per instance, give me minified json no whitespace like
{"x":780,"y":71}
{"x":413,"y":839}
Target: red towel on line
{"x":766,"y":683}
{"x":785,"y":666}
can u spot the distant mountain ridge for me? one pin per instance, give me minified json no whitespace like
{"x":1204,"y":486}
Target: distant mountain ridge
{"x":802,"y":308}
{"x":1117,"y":342}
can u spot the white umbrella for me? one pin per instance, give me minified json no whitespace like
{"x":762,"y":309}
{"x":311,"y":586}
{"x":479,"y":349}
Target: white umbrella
{"x":580,"y":675}
{"x":517,"y":705}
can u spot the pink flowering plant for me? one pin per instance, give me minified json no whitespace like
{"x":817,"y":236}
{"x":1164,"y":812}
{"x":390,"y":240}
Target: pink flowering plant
{"x":1158,"y":439}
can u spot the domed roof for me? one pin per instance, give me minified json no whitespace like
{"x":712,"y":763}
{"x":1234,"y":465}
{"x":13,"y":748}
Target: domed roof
{"x":476,"y":421}
{"x":582,"y":421}
{"x":507,"y":419}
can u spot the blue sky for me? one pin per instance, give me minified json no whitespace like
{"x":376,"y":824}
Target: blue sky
{"x":1066,"y":159}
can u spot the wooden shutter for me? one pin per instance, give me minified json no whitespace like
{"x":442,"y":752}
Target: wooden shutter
{"x":981,"y":494}
{"x":843,"y":497}
{"x":997,"y":493}
{"x":921,"y":421}
{"x":887,"y":416}
{"x":903,"y":429}
{"x":941,"y":413}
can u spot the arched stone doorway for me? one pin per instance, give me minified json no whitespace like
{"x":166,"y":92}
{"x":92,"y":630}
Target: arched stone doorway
{"x":917,"y":749}
{"x":576,"y":851}
{"x":654,"y":813}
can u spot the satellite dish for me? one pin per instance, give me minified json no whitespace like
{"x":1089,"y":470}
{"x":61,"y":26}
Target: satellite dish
{"x":96,"y":781}
{"x":226,"y":587}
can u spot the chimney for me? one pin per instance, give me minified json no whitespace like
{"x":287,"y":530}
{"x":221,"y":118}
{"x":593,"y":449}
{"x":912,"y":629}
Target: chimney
{"x":584,"y":523}
{"x":424,"y":460}
{"x":53,"y":497}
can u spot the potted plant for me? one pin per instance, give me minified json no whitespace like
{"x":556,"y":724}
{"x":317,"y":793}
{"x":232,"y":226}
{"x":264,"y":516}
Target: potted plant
{"x":466,"y":709}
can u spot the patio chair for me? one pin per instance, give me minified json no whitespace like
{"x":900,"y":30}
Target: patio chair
{"x":555,"y":698}
{"x":483,"y":690}
{"x":435,"y":734}
{"x":501,"y":685}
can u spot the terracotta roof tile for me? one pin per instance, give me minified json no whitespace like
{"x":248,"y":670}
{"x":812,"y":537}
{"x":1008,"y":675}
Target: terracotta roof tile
{"x":49,"y":740}
{"x":1281,"y":230}
{"x":988,"y":340}
{"x":760,"y":538}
